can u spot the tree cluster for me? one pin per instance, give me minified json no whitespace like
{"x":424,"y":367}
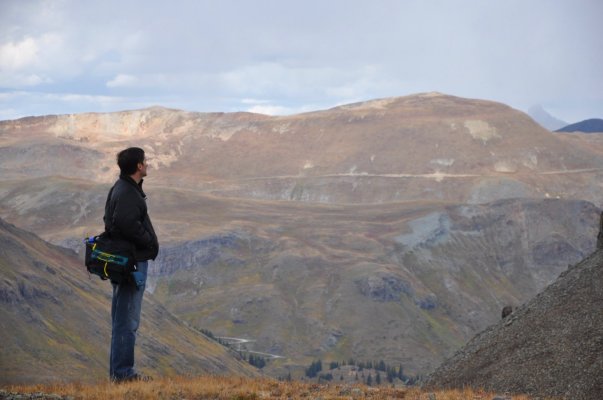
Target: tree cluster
{"x":210,"y":335}
{"x":314,"y":369}
{"x":391,"y":373}
{"x":257,"y":361}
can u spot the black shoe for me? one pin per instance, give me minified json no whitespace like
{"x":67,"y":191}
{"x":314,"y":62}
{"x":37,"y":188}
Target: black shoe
{"x":134,"y":378}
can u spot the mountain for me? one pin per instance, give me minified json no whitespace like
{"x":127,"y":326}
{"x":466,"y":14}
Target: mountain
{"x":404,"y":282}
{"x":545,"y":119}
{"x":593,"y":125}
{"x":421,"y":147}
{"x":55,"y":322}
{"x":550,"y":346}
{"x":407,"y":283}
{"x":391,"y":229}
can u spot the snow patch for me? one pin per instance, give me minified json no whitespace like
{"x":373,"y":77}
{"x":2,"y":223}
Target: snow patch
{"x":446,"y":162}
{"x":280,"y":129}
{"x":481,"y":130}
{"x":506,"y":167}
{"x":531,"y":161}
{"x":379,"y":104}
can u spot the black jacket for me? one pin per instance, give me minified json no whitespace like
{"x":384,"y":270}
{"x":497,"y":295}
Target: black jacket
{"x":126,"y":218}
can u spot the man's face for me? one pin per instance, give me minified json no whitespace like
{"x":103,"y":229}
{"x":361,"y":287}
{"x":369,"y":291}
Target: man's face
{"x":142,"y":167}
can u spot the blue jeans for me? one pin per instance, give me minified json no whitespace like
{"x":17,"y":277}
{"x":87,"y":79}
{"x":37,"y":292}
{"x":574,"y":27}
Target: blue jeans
{"x":125,"y":319}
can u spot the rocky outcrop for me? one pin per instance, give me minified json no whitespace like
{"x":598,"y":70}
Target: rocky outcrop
{"x":551,"y":346}
{"x":192,"y":254}
{"x":384,"y":288}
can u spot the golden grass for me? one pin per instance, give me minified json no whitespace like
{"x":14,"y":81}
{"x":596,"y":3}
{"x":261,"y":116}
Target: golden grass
{"x":238,"y":388}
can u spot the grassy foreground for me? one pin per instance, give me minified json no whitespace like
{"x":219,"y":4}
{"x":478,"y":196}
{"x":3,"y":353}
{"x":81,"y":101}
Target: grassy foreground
{"x":236,"y":388}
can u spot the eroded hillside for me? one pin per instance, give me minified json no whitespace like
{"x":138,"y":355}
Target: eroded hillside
{"x":422,"y":147}
{"x":550,"y":346}
{"x":56,"y":322}
{"x":392,"y":229}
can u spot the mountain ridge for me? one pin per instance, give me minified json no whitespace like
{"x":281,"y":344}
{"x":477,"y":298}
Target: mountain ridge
{"x":385,"y":150}
{"x":55,"y":321}
{"x":550,"y":346}
{"x":540,"y":115}
{"x":593,"y":125}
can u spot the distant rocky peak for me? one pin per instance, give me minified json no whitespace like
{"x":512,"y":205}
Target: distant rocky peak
{"x":546,"y":120}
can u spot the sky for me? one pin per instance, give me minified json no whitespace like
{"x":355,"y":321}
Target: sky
{"x":284,"y":57}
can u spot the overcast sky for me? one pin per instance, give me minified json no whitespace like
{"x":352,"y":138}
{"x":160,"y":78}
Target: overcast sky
{"x":283,"y":57}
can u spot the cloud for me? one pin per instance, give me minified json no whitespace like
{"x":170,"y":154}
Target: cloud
{"x":213,"y":56}
{"x":255,"y":101}
{"x":60,"y":97}
{"x":29,"y":61}
{"x":183,"y":83}
{"x":271,"y":109}
{"x":123,"y":80}
{"x":329,"y":85}
{"x":21,"y":62}
{"x":16,"y":55}
{"x":26,"y":103}
{"x":8,"y":113}
{"x":22,"y":80}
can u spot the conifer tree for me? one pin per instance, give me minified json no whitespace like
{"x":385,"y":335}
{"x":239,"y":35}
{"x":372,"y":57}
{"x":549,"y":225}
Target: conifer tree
{"x":401,"y":375}
{"x":391,"y":374}
{"x":314,"y":369}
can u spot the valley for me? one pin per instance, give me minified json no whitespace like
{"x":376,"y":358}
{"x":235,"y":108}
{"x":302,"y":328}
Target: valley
{"x":393,"y":229}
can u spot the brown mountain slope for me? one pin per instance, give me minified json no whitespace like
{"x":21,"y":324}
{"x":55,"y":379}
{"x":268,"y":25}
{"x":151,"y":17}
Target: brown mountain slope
{"x":407,"y":283}
{"x":409,"y":230}
{"x":551,"y":346}
{"x":54,"y":322}
{"x":588,"y":142}
{"x":427,"y":146}
{"x":403,"y":282}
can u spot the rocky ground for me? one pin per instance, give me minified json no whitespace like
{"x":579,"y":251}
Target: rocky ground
{"x":551,"y":346}
{"x":7,"y":395}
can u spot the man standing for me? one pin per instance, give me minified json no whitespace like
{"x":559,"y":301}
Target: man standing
{"x":126,"y":218}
